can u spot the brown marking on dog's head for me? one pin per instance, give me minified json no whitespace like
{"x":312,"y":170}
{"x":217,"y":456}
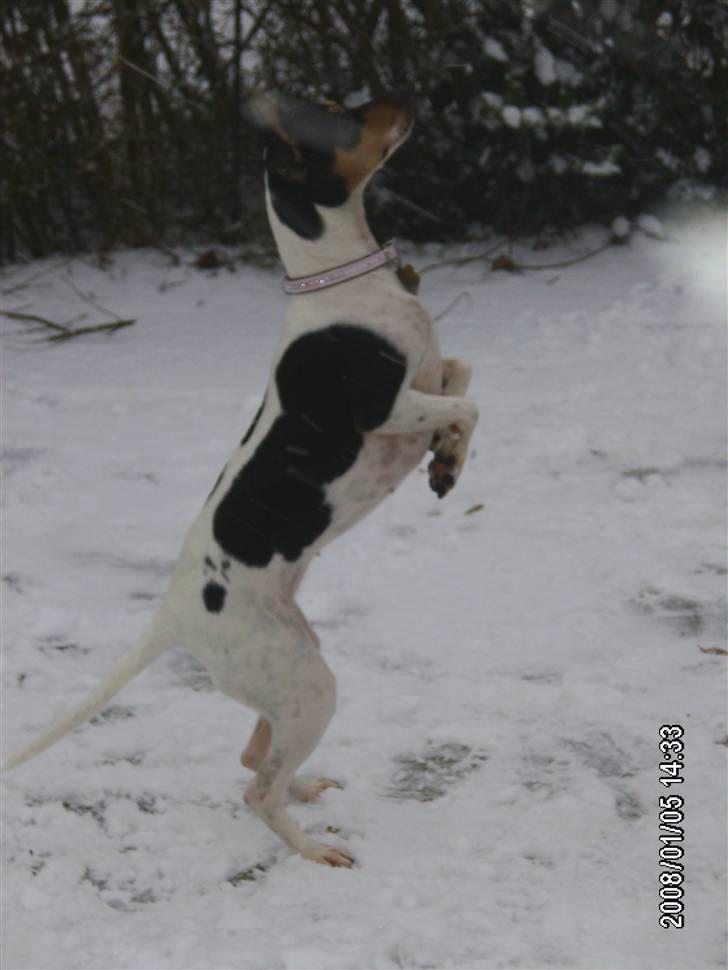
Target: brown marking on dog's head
{"x":318,"y":154}
{"x":385,"y":124}
{"x":353,"y":142}
{"x":332,"y":106}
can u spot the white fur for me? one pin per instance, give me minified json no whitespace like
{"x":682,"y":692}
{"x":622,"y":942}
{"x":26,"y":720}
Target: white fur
{"x":260,"y":649}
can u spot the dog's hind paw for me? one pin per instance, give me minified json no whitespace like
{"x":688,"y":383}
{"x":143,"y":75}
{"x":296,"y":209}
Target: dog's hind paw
{"x":309,"y":789}
{"x":329,"y":855}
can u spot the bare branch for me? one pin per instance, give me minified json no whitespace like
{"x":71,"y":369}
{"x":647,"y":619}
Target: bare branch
{"x":34,"y":318}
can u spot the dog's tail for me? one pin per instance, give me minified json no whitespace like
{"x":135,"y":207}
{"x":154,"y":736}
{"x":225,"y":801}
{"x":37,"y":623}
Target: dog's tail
{"x":150,"y":646}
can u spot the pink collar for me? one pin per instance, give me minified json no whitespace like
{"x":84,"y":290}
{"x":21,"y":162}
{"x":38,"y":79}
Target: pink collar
{"x":340,"y":274}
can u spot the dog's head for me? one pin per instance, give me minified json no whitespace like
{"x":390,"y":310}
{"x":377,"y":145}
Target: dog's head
{"x":323,"y":154}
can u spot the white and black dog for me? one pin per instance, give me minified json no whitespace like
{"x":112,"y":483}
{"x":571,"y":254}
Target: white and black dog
{"x":357,"y":395}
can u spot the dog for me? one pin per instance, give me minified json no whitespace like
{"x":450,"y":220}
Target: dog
{"x":358,"y":393}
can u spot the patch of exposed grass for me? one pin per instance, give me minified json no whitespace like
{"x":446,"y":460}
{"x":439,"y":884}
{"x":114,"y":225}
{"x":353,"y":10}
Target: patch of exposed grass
{"x":428,"y":776}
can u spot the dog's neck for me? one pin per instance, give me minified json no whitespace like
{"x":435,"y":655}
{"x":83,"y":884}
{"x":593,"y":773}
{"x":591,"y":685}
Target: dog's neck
{"x":346,"y":237}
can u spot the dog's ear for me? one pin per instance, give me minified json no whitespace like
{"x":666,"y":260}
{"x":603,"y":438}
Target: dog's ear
{"x":281,"y":154}
{"x":283,"y":158}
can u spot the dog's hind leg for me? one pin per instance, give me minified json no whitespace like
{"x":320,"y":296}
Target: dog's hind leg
{"x":257,"y":746}
{"x":302,"y":787}
{"x":304,"y":711}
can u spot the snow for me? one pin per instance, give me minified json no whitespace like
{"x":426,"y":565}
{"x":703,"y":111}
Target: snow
{"x":664,"y":23}
{"x":512,"y":116}
{"x":651,"y":225}
{"x":603,"y":169}
{"x":621,"y":228}
{"x":544,"y":65}
{"x":580,"y":115}
{"x":702,"y":159}
{"x":505,"y":657}
{"x":534,"y":117}
{"x":493,"y":48}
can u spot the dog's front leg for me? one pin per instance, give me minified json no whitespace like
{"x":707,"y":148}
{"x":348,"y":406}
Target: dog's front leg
{"x":455,"y":377}
{"x":446,"y":441}
{"x":414,"y":411}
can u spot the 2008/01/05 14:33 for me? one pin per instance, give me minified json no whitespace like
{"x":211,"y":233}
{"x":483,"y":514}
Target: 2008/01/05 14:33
{"x":671,"y":831}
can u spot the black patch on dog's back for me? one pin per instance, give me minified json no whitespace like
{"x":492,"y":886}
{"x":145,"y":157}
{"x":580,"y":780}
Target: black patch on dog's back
{"x":214,"y":597}
{"x":246,"y":437}
{"x":217,"y":482}
{"x":333,"y":384}
{"x":249,"y":433}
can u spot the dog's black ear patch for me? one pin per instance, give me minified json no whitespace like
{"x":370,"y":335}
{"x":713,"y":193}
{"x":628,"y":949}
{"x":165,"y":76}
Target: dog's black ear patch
{"x":293,"y":205}
{"x":295,"y":202}
{"x":305,"y":177}
{"x":333,"y":385}
{"x":213,"y":596}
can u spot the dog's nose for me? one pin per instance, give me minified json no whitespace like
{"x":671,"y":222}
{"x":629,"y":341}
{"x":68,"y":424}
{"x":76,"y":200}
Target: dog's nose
{"x":390,"y":116}
{"x":399,"y":102}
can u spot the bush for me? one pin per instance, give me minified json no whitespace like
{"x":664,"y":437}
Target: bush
{"x":529,"y":114}
{"x":527,"y":117}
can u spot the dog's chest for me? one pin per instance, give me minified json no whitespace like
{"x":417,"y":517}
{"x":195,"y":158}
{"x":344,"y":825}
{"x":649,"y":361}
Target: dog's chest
{"x":315,"y":463}
{"x":382,"y":464}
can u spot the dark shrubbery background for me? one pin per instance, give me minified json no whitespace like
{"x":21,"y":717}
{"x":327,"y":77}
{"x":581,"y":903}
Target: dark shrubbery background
{"x":530,"y":114}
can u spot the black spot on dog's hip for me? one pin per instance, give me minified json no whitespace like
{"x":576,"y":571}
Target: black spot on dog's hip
{"x":333,"y":384}
{"x":214,"y":597}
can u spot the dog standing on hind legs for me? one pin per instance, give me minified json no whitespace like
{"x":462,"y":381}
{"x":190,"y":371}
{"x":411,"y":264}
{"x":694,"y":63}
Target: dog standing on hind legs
{"x":358,"y":394}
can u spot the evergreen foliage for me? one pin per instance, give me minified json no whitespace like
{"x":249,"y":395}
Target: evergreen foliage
{"x":530,"y":114}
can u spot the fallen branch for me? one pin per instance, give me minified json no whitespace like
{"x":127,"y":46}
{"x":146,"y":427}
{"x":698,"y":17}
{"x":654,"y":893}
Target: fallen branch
{"x":514,"y":266}
{"x":474,"y":508}
{"x":21,"y":285}
{"x":462,"y":260}
{"x":566,"y":262}
{"x":451,"y":305}
{"x":108,"y":328}
{"x":34,"y":318}
{"x":87,"y":299}
{"x":64,"y":332}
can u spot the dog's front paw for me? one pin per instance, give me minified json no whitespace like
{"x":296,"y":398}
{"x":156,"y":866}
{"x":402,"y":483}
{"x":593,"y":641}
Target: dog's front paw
{"x":441,"y":471}
{"x":445,"y":467}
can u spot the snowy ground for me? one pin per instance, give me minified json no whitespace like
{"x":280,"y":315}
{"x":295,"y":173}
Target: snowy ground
{"x":503,"y":673}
